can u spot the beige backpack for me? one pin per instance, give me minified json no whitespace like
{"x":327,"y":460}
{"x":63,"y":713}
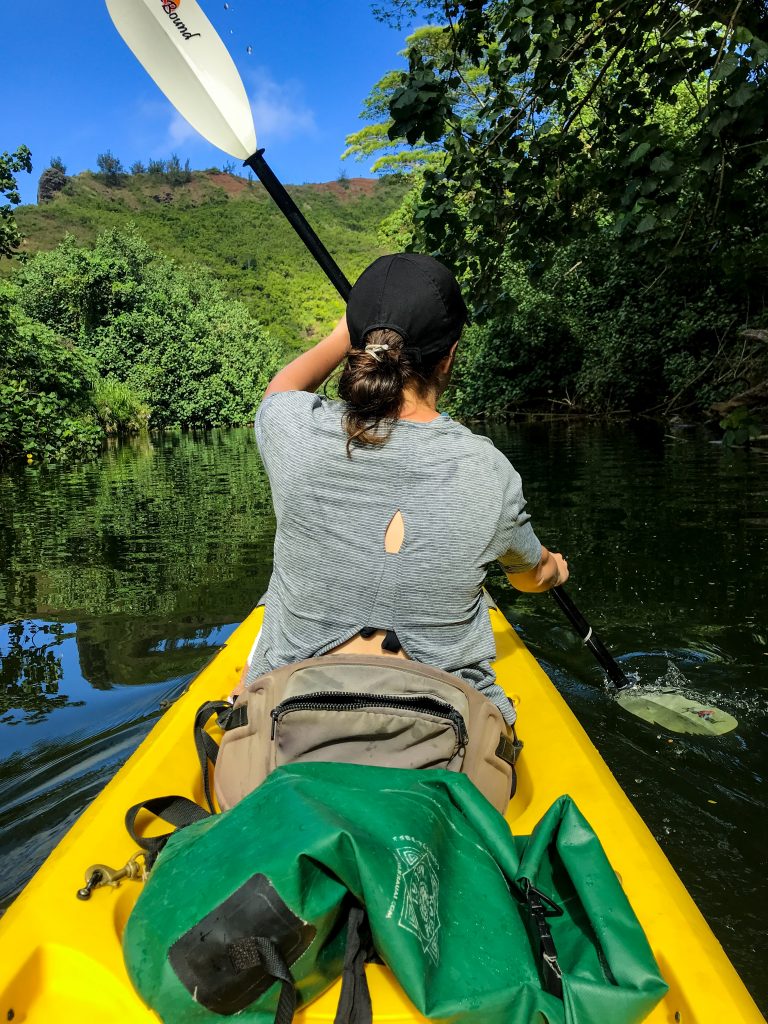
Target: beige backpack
{"x":385,"y":712}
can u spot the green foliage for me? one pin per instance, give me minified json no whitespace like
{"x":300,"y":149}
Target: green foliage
{"x":118,"y":408}
{"x":10,"y":165}
{"x":573,"y":126}
{"x":195,"y":356}
{"x":401,"y":12}
{"x":600,"y":185}
{"x":44,"y":391}
{"x":379,"y":137}
{"x":234,"y":231}
{"x":741,"y":426}
{"x":111,"y":170}
{"x":396,"y":231}
{"x":600,"y":332}
{"x":175,"y":174}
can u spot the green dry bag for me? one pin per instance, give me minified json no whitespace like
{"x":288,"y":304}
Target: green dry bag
{"x":247,"y":912}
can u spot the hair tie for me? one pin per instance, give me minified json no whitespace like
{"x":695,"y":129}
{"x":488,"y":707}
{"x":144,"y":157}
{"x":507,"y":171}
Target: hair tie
{"x":373,"y":350}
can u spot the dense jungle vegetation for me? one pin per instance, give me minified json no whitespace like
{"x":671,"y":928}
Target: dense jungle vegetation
{"x":596,"y":174}
{"x":160,"y":297}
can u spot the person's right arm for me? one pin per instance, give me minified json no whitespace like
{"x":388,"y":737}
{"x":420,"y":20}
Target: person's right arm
{"x":308,"y":371}
{"x":551,"y":571}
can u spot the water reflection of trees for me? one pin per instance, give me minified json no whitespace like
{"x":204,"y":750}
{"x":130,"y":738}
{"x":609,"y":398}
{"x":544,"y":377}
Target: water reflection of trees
{"x":658,"y":526}
{"x":178,"y":526}
{"x":31,"y":671}
{"x":151,"y":547}
{"x":128,"y":651}
{"x":146,"y":551}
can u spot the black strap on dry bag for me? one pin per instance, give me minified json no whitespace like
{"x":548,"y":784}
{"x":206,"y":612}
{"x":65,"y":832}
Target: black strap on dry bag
{"x":262,"y":952}
{"x":355,"y":999}
{"x":540,"y":907}
{"x":206,"y":746}
{"x":176,"y":810}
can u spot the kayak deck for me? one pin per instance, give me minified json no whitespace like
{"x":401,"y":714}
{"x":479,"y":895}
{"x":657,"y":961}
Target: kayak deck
{"x":61,"y":958}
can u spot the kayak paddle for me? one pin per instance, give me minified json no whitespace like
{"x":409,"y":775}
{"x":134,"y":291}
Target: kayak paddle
{"x":665,"y":706}
{"x":180,"y":50}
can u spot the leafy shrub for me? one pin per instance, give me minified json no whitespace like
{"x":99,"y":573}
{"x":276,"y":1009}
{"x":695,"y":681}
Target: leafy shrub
{"x":45,"y":411}
{"x":10,"y":165}
{"x":605,"y":330}
{"x":195,"y":356}
{"x":118,"y":408}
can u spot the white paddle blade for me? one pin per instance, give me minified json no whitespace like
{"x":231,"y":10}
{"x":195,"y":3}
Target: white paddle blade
{"x":676,"y":712}
{"x":180,"y":49}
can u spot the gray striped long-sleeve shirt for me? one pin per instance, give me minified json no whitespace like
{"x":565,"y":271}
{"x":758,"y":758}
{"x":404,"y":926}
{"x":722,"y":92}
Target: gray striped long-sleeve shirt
{"x":462,"y":506}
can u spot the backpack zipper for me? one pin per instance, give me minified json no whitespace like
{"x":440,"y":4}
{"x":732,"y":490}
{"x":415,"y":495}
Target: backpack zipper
{"x":335,"y":700}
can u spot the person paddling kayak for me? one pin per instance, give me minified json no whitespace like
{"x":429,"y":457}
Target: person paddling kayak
{"x":388,"y":512}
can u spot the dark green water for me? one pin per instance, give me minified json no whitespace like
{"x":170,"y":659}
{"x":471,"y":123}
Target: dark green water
{"x":118,"y":580}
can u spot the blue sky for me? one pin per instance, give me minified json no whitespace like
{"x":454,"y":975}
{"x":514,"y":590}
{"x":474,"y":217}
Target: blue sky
{"x":73,"y":89}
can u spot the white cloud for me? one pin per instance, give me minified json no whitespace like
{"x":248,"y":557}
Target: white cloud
{"x":158,"y":126}
{"x":279,"y":110}
{"x":180,"y":131}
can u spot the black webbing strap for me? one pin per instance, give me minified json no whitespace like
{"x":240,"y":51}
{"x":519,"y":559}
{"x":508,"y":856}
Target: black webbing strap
{"x":540,"y":907}
{"x":256,"y":950}
{"x":176,"y":810}
{"x":509,"y":748}
{"x":355,"y":999}
{"x":206,"y":746}
{"x":236,"y":719}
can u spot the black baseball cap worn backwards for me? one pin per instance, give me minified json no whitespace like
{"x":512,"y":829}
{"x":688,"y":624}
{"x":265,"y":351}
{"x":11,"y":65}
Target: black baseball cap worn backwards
{"x":412,"y":294}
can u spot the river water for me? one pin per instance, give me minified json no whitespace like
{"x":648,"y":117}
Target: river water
{"x":119,"y":579}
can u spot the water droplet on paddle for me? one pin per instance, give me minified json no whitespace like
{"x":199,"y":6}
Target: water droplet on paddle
{"x":249,"y":50}
{"x":226,"y":7}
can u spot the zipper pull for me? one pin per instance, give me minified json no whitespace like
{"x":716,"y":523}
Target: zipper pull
{"x":274,"y":723}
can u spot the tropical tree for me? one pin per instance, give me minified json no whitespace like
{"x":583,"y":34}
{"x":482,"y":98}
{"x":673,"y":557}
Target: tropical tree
{"x":602,"y":192}
{"x":192,"y":354}
{"x":381,"y":138}
{"x":10,"y":165}
{"x":573,"y":124}
{"x":111,"y":169}
{"x":45,"y":411}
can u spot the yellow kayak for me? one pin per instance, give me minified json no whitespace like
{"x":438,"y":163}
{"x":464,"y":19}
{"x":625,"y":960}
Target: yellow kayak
{"x":61,"y":958}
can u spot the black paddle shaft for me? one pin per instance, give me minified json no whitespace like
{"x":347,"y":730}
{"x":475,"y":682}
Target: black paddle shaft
{"x":590,"y":639}
{"x":299,"y":223}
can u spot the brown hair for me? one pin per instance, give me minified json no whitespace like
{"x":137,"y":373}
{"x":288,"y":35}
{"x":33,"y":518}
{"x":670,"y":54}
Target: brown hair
{"x":372,"y":385}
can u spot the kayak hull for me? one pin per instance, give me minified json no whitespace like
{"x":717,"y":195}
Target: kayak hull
{"x":61,"y":958}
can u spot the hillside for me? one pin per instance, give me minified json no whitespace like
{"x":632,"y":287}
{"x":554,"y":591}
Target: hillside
{"x":231,"y":226}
